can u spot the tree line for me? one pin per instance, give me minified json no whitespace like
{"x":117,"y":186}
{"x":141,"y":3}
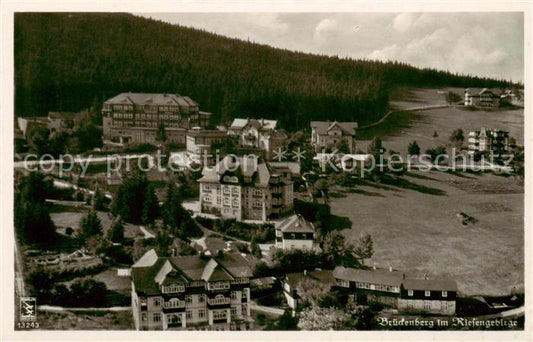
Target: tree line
{"x":70,"y":61}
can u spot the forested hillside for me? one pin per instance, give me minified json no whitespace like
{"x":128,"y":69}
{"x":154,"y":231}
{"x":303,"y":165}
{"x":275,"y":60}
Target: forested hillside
{"x":70,"y":61}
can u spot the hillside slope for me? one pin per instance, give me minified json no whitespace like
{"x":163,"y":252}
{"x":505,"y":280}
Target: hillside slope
{"x":69,"y":61}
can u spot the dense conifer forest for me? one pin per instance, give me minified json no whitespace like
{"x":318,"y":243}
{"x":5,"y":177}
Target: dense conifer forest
{"x":69,"y":62}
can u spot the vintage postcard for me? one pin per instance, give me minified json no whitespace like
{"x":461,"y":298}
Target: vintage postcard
{"x":348,"y":170}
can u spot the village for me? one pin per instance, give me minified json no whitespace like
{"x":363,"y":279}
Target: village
{"x":252,"y":226}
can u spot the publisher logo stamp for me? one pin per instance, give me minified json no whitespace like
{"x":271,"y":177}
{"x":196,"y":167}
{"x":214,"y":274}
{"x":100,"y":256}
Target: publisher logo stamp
{"x":28,"y":309}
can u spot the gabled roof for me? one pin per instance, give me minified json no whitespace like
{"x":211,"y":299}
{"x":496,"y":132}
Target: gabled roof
{"x":296,"y":224}
{"x":213,"y":272}
{"x":323,"y":127}
{"x":260,"y":124}
{"x":377,"y":276}
{"x":148,"y":259}
{"x":148,"y":277}
{"x":440,"y":284}
{"x":152,"y":98}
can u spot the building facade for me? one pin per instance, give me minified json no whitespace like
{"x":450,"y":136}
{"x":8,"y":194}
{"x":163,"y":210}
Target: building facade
{"x":191,"y":293}
{"x":485,"y":139}
{"x":260,"y":134}
{"x":488,"y":98}
{"x":436,"y":296}
{"x":245,"y":188}
{"x":393,"y":288}
{"x":200,"y":142}
{"x":327,"y":134}
{"x":295,"y":233}
{"x":136,"y":117}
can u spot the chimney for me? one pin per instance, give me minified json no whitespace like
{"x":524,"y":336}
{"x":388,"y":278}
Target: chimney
{"x":390,"y":268}
{"x":374,"y":265}
{"x":425,"y":276}
{"x":305,"y":273}
{"x":404,"y":276}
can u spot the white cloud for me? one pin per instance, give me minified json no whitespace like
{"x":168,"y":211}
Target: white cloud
{"x":403,"y":21}
{"x":326,"y":25}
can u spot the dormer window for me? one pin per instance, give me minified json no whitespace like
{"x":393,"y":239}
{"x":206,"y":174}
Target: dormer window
{"x":427,"y":293}
{"x":410,"y":293}
{"x":444,"y":294}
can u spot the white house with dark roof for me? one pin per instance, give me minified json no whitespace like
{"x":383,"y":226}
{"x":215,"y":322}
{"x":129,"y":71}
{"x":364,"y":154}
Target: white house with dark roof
{"x":245,"y":188}
{"x":135,"y":117}
{"x":191,"y":292}
{"x":329,"y":134}
{"x":295,"y":233}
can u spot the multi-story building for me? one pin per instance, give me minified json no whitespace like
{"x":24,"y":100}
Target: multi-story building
{"x":200,"y":142}
{"x":327,"y":134}
{"x":489,"y":98}
{"x":259,"y":134}
{"x":393,"y":288}
{"x":295,"y":233}
{"x":191,"y":292}
{"x":136,"y":117}
{"x":485,"y":139}
{"x":245,"y":188}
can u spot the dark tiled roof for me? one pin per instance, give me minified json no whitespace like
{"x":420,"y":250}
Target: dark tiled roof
{"x":377,"y":276}
{"x":322,"y":127}
{"x":442,"y":284}
{"x":188,"y":268}
{"x":151,"y":98}
{"x":296,"y":224}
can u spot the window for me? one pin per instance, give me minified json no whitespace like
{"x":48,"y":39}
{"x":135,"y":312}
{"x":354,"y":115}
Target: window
{"x":173,"y":303}
{"x":201,"y":313}
{"x":156,"y":317}
{"x":188,"y":314}
{"x":206,"y":187}
{"x":219,"y":314}
{"x":233,"y":295}
{"x":156,"y":302}
{"x":219,"y":299}
{"x":207,"y":198}
{"x":243,"y":295}
{"x":226,"y":201}
{"x":343,"y":283}
{"x":427,"y":293}
{"x":258,"y":204}
{"x":201,"y":298}
{"x":445,"y":294}
{"x":410,"y":293}
{"x":258,"y":192}
{"x":235,"y":191}
{"x":143,"y":317}
{"x":234,"y":310}
{"x":188,"y":299}
{"x":235,"y":203}
{"x":226,"y":191}
{"x":244,"y":309}
{"x":143,"y":300}
{"x":427,"y":305}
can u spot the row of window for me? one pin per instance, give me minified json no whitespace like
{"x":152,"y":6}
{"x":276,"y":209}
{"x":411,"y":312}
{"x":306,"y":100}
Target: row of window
{"x":378,"y":287}
{"x":427,"y":293}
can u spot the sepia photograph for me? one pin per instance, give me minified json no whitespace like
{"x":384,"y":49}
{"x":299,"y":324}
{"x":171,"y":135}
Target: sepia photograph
{"x":265,"y":171}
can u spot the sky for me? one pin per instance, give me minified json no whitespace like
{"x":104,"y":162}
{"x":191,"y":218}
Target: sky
{"x":482,"y":44}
